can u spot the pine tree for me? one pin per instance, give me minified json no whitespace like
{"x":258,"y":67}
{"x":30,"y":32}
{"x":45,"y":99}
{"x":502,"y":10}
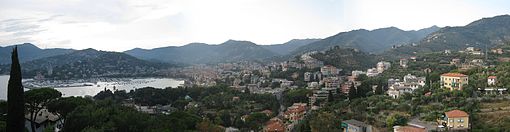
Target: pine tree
{"x":15,"y":97}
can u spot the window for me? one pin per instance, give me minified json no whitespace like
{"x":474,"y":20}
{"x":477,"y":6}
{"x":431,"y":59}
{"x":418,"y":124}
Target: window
{"x":451,"y":120}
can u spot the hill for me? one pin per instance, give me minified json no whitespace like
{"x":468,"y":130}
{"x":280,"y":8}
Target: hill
{"x":347,"y":58}
{"x":286,"y":48}
{"x":28,"y":52}
{"x":490,"y":32}
{"x":200,"y":53}
{"x":88,"y":63}
{"x":374,"y":41}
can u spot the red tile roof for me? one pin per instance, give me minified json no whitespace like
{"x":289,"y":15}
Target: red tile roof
{"x":454,"y":75}
{"x":492,"y":77}
{"x":456,"y":113}
{"x":275,"y":125}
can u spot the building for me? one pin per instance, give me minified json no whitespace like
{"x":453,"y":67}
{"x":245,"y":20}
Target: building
{"x":455,"y":120}
{"x":331,"y":84}
{"x":403,"y":63}
{"x":396,"y":87}
{"x":44,"y":119}
{"x":454,"y":81}
{"x":355,"y":126}
{"x":455,"y":61}
{"x":295,"y":112}
{"x":329,"y":70}
{"x":491,"y":80}
{"x":307,"y":76}
{"x":356,"y":73}
{"x":318,"y":95}
{"x":372,"y":72}
{"x":382,"y":66}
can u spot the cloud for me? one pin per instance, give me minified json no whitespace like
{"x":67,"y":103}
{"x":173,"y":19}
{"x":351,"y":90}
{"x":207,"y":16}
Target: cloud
{"x":124,"y":24}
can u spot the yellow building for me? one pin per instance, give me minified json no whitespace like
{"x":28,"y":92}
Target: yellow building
{"x":456,"y":120}
{"x":453,"y":81}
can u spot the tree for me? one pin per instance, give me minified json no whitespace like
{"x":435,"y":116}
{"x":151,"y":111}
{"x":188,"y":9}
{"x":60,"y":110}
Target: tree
{"x":330,"y":96}
{"x":379,"y":89}
{"x":324,"y":122}
{"x":63,"y":106}
{"x":353,"y":93}
{"x":38,"y":99}
{"x":207,"y":126}
{"x":255,"y":120}
{"x":363,"y":89}
{"x":395,"y":120}
{"x":15,"y":98}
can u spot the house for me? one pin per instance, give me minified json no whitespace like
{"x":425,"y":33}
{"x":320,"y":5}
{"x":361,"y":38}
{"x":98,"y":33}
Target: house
{"x":355,"y":126}
{"x":491,"y":80}
{"x":372,"y":72}
{"x":453,"y":81}
{"x":455,"y":61}
{"x":396,"y":88}
{"x":295,"y":112}
{"x":307,"y":76}
{"x":455,"y":120}
{"x":274,"y":125}
{"x":331,"y":84}
{"x":329,"y":70}
{"x":382,"y":66}
{"x":44,"y":119}
{"x":403,"y":62}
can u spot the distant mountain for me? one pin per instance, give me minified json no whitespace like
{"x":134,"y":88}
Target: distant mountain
{"x":488,"y":32}
{"x":374,"y":41}
{"x":286,"y":48}
{"x":88,"y":63}
{"x":347,"y":58}
{"x":28,"y":52}
{"x":200,"y":53}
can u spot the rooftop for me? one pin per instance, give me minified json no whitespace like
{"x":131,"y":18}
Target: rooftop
{"x":408,"y":128}
{"x":354,"y":122}
{"x":492,"y":77}
{"x":456,"y":113}
{"x":454,"y":75}
{"x":275,"y":125}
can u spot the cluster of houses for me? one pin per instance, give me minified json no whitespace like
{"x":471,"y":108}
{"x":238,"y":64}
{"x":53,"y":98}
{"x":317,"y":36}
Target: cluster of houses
{"x":397,"y":87}
{"x":291,"y":117}
{"x":454,"y":120}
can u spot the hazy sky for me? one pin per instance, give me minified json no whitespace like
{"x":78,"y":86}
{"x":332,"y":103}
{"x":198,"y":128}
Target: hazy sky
{"x":119,"y":25}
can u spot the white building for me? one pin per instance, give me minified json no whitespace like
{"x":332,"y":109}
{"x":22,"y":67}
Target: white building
{"x":382,"y":66}
{"x":307,"y":76}
{"x":396,"y":88}
{"x":491,"y":80}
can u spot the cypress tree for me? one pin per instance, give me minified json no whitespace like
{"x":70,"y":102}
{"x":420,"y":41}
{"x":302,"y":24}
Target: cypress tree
{"x":379,"y":90}
{"x":353,"y":93}
{"x":15,"y":97}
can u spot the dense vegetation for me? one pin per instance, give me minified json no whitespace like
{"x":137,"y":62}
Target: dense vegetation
{"x":347,"y":59}
{"x":487,"y":32}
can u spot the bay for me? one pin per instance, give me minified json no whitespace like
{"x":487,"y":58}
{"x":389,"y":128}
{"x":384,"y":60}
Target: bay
{"x":131,"y":84}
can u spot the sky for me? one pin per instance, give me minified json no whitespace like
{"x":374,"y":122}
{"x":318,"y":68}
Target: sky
{"x":119,"y":25}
